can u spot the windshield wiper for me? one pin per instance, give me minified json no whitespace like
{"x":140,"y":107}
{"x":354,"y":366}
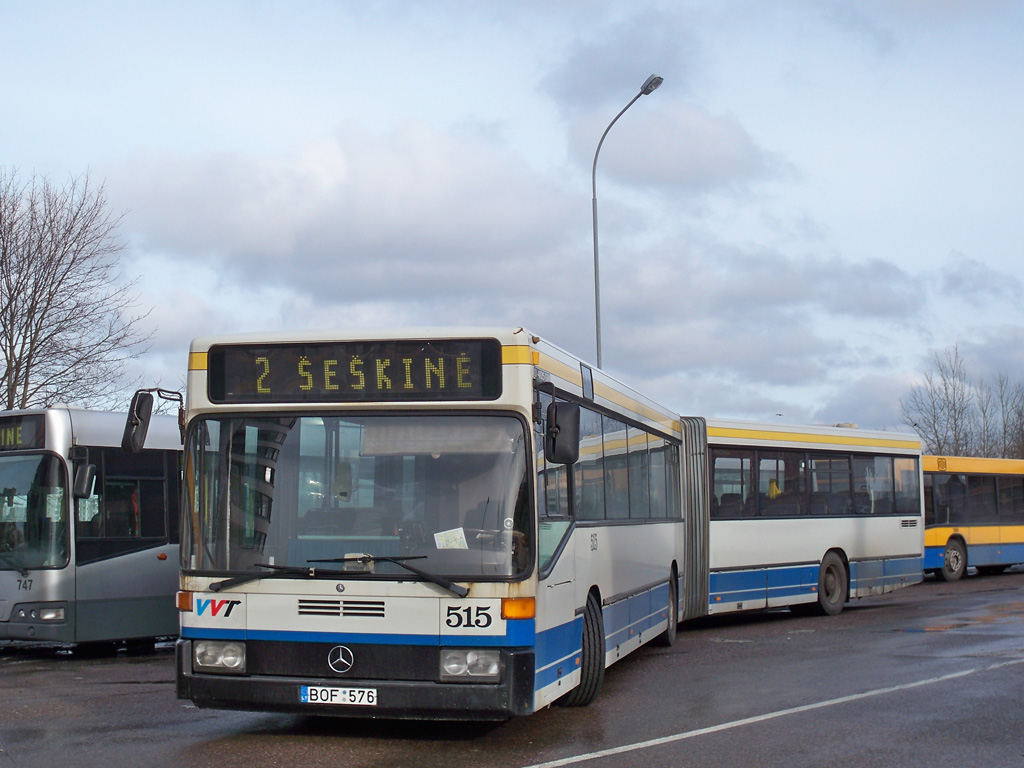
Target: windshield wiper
{"x":455,"y":589}
{"x":14,"y":564}
{"x":284,"y":571}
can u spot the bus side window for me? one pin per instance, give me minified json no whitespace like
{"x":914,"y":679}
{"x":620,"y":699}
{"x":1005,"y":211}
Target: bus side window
{"x":88,"y":520}
{"x":121,"y":510}
{"x":732,"y":486}
{"x":552,"y":479}
{"x":588,"y":477}
{"x":129,"y":503}
{"x":553,"y":509}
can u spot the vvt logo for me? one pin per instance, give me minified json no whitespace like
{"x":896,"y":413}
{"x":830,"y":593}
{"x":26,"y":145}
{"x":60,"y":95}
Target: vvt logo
{"x":216,"y":606}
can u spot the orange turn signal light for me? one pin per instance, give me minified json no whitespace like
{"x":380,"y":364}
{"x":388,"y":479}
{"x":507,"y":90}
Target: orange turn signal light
{"x":184,"y":600}
{"x":518,"y":608}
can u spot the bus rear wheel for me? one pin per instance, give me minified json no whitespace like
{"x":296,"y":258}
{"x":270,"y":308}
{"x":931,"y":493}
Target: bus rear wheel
{"x":592,"y":656}
{"x":832,"y":585}
{"x":954,"y":561}
{"x":668,"y":638}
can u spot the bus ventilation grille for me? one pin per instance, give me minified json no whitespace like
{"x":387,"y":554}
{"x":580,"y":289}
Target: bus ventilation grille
{"x":908,"y":523}
{"x":371,"y":609}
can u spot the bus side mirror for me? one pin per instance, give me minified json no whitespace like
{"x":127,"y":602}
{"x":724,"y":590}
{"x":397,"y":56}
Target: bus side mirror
{"x":85,"y":480}
{"x":137,"y":424}
{"x":562,"y":441}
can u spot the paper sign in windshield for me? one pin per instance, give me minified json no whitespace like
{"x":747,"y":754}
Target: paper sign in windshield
{"x":453,"y":539}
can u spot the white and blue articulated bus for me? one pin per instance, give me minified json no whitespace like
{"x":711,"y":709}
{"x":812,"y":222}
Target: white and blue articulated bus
{"x":473,"y":523}
{"x":465,"y":523}
{"x":88,"y":531}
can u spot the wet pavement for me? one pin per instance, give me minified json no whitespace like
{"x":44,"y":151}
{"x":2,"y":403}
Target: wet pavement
{"x":928,"y":675}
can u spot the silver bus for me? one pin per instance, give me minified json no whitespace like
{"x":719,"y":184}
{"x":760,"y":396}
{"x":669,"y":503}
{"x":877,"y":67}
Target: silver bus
{"x":88,"y":531}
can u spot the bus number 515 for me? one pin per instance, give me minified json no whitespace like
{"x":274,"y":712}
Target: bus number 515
{"x":477,"y":617}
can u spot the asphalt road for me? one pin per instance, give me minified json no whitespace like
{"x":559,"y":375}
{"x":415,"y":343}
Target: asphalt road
{"x":931,"y":675}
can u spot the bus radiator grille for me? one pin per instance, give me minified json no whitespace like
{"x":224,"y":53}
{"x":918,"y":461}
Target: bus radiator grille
{"x":372,"y":609}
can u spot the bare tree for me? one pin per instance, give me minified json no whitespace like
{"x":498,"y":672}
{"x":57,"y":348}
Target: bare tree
{"x":956,"y":417}
{"x":67,"y":325}
{"x":987,"y":431}
{"x":942,"y":410}
{"x":1010,"y":397}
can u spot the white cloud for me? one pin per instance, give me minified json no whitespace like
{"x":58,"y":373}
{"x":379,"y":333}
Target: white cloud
{"x":817,"y":196}
{"x":356,"y":216}
{"x":671,"y":145}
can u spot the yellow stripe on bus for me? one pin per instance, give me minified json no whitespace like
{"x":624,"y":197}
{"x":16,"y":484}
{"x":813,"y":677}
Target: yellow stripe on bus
{"x":623,"y":400}
{"x":197,"y":361}
{"x":519,"y":355}
{"x":962,"y":464}
{"x":557,"y":368}
{"x":804,"y":437}
{"x":974,"y":534}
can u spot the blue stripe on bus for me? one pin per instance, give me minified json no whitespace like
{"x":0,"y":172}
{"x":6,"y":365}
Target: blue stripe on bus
{"x":558,"y":648}
{"x":758,"y":585}
{"x":518,"y":632}
{"x":556,"y":651}
{"x":206,"y":633}
{"x":872,"y":574}
{"x":934,"y":558}
{"x":639,"y":613}
{"x":978,"y":554}
{"x":1007,"y":553}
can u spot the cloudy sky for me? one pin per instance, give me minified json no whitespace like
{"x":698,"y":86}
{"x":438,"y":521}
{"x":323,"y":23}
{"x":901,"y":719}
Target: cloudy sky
{"x":820,"y":196}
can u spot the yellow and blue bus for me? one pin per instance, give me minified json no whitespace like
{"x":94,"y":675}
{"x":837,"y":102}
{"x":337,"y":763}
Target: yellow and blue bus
{"x":974,"y":514}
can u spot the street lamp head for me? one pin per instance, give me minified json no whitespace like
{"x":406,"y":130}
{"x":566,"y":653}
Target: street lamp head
{"x":651,"y":84}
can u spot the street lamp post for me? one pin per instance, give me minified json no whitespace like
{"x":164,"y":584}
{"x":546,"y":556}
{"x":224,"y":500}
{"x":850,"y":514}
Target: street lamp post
{"x":650,"y":85}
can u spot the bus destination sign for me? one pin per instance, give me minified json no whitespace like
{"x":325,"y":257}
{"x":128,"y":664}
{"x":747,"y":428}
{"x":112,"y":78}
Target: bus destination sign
{"x":19,"y":433}
{"x":355,"y":371}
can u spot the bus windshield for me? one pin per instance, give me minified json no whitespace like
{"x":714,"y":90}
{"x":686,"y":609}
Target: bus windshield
{"x":33,"y":514}
{"x":450,"y":491}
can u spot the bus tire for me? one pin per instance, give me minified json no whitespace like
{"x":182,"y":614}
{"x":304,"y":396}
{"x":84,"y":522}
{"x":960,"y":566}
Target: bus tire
{"x":833,"y":585}
{"x":592,"y":656}
{"x":954,"y":561}
{"x":668,"y":638}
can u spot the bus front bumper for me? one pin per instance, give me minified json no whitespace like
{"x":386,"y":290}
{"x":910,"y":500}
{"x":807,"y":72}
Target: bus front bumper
{"x":393,"y":699}
{"x":41,"y":622}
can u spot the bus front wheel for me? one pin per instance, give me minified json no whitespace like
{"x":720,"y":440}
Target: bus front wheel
{"x":592,"y":656}
{"x":954,"y":561}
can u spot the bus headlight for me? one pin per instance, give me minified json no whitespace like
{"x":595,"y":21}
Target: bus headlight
{"x":218,"y":656}
{"x":50,"y":613}
{"x":471,"y":665}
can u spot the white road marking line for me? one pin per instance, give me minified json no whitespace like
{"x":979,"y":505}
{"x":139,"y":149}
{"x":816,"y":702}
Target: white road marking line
{"x":762,"y":718}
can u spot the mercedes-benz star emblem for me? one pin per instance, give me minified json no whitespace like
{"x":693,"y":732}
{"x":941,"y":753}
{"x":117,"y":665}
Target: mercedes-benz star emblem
{"x":340,"y":659}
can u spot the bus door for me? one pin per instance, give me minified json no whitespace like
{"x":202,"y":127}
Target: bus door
{"x":556,"y":632}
